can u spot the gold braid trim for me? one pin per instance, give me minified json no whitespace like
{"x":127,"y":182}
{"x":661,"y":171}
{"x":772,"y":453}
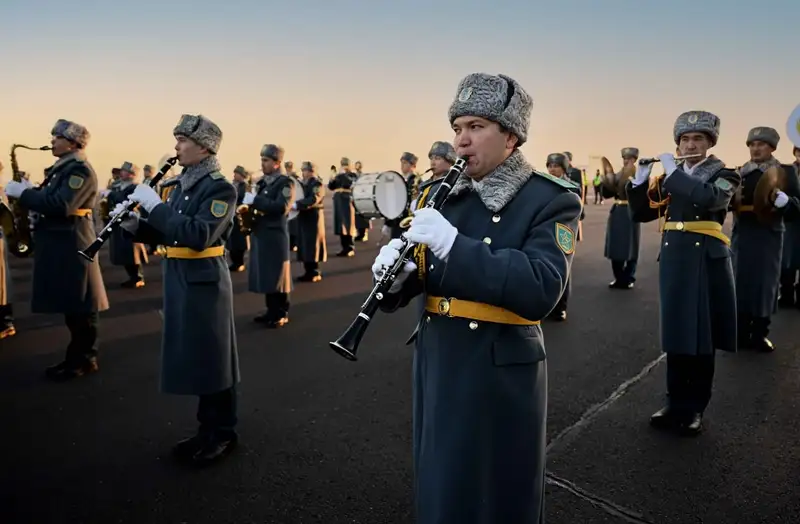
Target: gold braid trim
{"x":419,"y":249}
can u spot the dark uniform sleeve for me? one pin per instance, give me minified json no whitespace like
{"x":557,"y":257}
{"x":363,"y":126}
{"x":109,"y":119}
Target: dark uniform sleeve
{"x":64,"y":201}
{"x":201,"y":230}
{"x":607,"y":193}
{"x":639,"y":203}
{"x":277,"y":205}
{"x":713,"y":196}
{"x":791,"y":211}
{"x":314,"y":197}
{"x":527,"y":281}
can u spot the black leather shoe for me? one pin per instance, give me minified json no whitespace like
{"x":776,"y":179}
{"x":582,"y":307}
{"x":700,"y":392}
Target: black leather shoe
{"x":187,"y":448}
{"x":664,"y":418}
{"x":7,"y":330}
{"x":350,"y":253}
{"x":692,"y":426}
{"x":275,"y":324}
{"x":70,"y":370}
{"x":262,"y":318}
{"x":214,"y":449}
{"x":763,"y":345}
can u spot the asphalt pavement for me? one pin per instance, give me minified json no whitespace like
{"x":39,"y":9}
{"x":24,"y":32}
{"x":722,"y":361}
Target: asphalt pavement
{"x":328,"y":440}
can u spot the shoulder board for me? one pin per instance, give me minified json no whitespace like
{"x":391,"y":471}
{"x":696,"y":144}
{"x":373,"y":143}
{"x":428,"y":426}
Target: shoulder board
{"x":560,"y":181}
{"x":216,"y":175}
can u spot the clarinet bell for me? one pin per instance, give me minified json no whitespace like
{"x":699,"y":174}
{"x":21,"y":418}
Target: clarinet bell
{"x":347,"y":344}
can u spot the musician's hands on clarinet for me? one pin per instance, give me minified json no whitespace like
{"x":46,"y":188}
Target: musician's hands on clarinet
{"x":781,"y":199}
{"x":668,"y":162}
{"x":431,"y":228}
{"x":386,"y":258}
{"x":642,"y":174}
{"x":145,"y":196}
{"x":249,"y":197}
{"x":131,"y":221}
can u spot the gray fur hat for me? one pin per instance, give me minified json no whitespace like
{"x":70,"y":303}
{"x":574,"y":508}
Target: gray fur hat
{"x":559,"y":159}
{"x":148,"y":167}
{"x":497,"y":98}
{"x":128,"y":167}
{"x":411,"y":158}
{"x":201,"y":131}
{"x":444,"y":150}
{"x":272,"y":151}
{"x":240,"y":170}
{"x":308,"y":166}
{"x":73,"y":132}
{"x":764,"y":134}
{"x":568,"y":155}
{"x":697,"y":122}
{"x":288,"y":165}
{"x":344,"y":161}
{"x":629,"y":152}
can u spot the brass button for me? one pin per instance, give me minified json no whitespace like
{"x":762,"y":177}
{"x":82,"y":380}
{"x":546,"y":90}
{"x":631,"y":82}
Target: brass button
{"x":473,"y":325}
{"x":186,"y":197}
{"x":697,"y":218}
{"x":496,"y":219}
{"x":430,"y":268}
{"x":443,"y":307}
{"x":666,"y":243}
{"x":487,"y":240}
{"x":180,"y":211}
{"x":427,"y":319}
{"x":175,"y":243}
{"x":169,"y":200}
{"x":679,"y":226}
{"x":697,"y":244}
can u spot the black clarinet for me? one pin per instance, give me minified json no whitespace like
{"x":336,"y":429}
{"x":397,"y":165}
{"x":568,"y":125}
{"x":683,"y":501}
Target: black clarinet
{"x":90,"y":252}
{"x":347,"y":344}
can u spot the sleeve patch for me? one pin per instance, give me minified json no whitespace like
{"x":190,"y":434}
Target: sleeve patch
{"x":723,"y":184}
{"x":287,"y":191}
{"x":219,"y":208}
{"x":75,"y":182}
{"x":565,"y":238}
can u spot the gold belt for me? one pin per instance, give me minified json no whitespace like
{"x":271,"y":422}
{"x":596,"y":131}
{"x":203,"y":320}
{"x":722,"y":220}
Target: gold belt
{"x":341,"y":190}
{"x":701,"y":227}
{"x":453,"y":307}
{"x":745,"y":209}
{"x":81,"y":213}
{"x":621,"y":202}
{"x":185,"y":252}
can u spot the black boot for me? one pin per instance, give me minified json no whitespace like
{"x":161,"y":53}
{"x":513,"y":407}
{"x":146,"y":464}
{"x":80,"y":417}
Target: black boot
{"x":7,"y":328}
{"x":759,"y":341}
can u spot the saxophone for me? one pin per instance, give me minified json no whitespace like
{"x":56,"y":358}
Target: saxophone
{"x":14,"y":219}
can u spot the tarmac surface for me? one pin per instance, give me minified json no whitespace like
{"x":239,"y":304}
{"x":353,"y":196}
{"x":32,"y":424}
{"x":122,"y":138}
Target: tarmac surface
{"x":328,"y":440}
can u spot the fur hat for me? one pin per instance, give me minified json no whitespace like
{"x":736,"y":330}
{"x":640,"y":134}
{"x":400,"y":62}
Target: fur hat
{"x":497,"y":98}
{"x":73,"y":132}
{"x":308,"y":166}
{"x":288,"y":165}
{"x":345,"y":161}
{"x":127,"y":167}
{"x":559,"y":159}
{"x":444,"y":150}
{"x":629,"y":152}
{"x":200,"y":130}
{"x":272,"y":151}
{"x":764,"y":134}
{"x":411,"y":158}
{"x":240,"y":170}
{"x":697,"y":122}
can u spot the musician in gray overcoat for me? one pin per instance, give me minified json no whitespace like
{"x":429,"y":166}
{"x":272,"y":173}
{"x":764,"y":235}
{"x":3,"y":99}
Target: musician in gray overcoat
{"x":622,"y":233}
{"x":198,"y":351}
{"x":311,"y":225}
{"x":758,"y":243}
{"x":695,"y":275}
{"x":790,"y":283}
{"x":500,"y":251}
{"x":7,"y":328}
{"x":558,"y":166}
{"x":344,"y":213}
{"x":238,"y":241}
{"x":64,"y":282}
{"x":269,"y":272}
{"x":122,"y":249}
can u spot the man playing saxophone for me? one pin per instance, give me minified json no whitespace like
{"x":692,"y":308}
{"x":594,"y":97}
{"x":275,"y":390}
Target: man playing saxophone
{"x":500,"y":248}
{"x":199,"y":354}
{"x":63,"y":282}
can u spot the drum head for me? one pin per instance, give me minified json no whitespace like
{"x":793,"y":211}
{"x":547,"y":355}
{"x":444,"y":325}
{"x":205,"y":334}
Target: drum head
{"x":299,"y":194}
{"x":391,"y":194}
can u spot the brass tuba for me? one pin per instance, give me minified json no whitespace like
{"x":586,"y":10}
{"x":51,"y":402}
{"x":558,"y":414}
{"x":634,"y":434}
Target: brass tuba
{"x":14,"y":218}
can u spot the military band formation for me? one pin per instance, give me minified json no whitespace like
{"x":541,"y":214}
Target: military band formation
{"x":500,"y":248}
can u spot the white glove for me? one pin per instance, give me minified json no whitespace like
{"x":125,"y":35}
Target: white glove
{"x":429,"y":227}
{"x":27,"y":183}
{"x":104,"y":193}
{"x":387,"y":256}
{"x":294,"y":206}
{"x":14,"y":189}
{"x":146,"y":196}
{"x":668,"y":162}
{"x":249,"y":197}
{"x":781,"y":199}
{"x":642,"y":174}
{"x":119,"y":207}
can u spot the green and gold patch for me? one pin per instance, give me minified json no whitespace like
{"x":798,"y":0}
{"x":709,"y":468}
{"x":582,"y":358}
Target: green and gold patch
{"x":75,"y":182}
{"x":219,"y":208}
{"x":565,"y":238}
{"x":723,"y":184}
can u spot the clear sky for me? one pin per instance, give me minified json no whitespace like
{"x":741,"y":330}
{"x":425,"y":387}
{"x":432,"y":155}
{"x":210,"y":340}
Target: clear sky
{"x":371,"y":79}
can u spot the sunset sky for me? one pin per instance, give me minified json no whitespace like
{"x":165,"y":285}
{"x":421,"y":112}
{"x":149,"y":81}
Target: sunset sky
{"x":369,"y":80}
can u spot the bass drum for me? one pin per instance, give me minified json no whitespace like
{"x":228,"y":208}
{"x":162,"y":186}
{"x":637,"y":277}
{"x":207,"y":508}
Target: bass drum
{"x":380,"y":195}
{"x":299,"y":194}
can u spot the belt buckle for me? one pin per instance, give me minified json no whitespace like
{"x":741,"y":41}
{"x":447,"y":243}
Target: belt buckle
{"x":443,"y":307}
{"x":679,"y":226}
